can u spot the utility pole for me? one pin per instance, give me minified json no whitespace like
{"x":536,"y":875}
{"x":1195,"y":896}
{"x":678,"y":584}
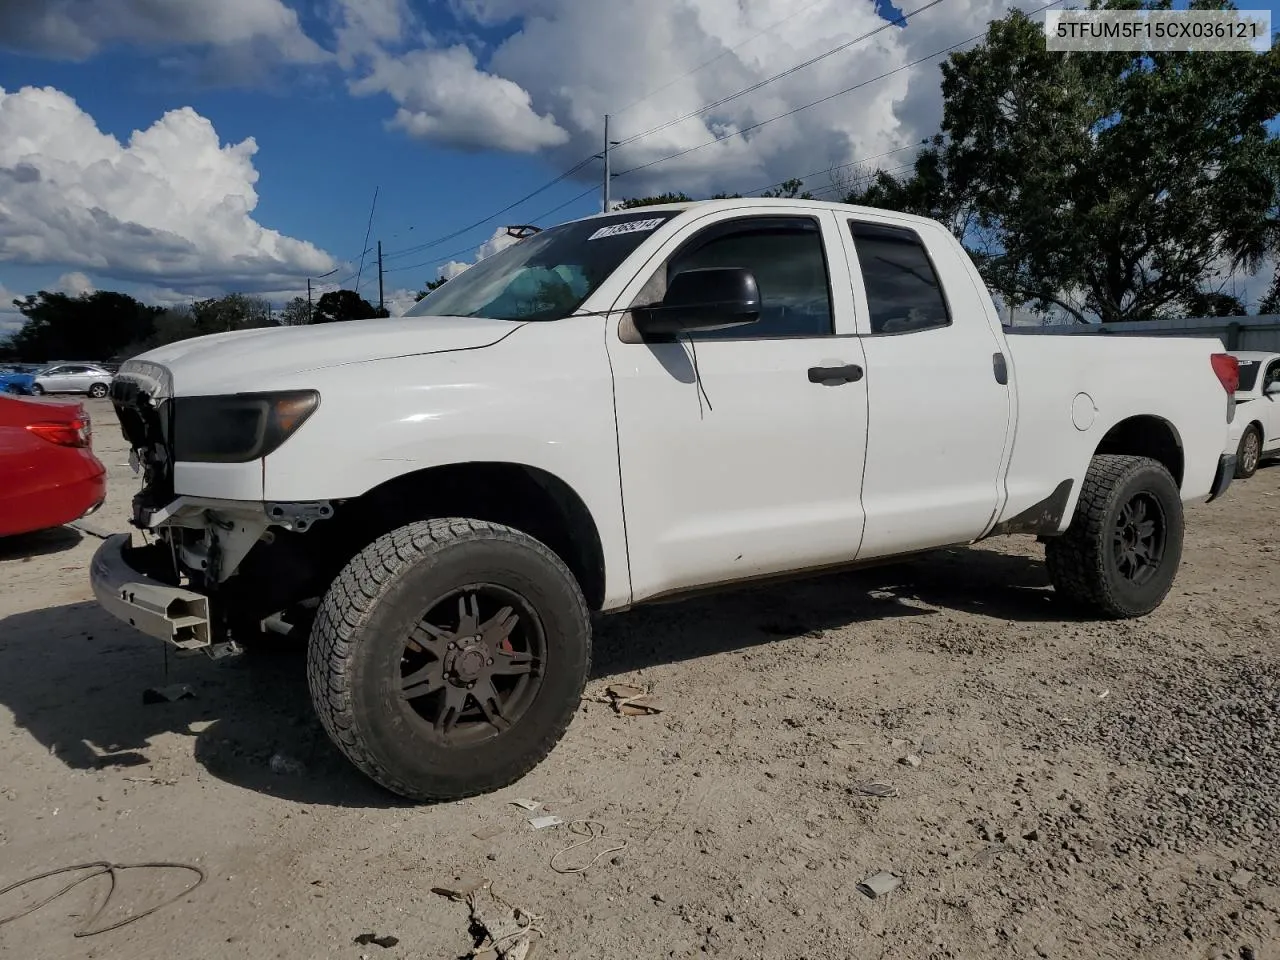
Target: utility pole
{"x":607,"y":175}
{"x":381,"y":296}
{"x":308,"y":299}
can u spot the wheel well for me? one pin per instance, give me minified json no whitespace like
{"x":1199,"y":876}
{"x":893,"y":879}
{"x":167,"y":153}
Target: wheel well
{"x":526,"y":498}
{"x":1146,"y":436}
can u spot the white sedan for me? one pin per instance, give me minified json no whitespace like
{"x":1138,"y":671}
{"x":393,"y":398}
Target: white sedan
{"x":1255,"y":425}
{"x":73,"y":378}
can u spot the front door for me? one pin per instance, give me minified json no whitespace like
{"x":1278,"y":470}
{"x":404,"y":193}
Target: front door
{"x":1270,"y":404}
{"x":739,"y":457}
{"x":940,"y":418}
{"x":56,"y":380}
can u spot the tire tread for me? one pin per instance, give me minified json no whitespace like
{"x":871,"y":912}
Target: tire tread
{"x":1075,"y":559}
{"x":346,"y":609}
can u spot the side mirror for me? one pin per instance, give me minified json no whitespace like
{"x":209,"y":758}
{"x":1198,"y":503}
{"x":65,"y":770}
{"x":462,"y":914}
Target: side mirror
{"x":708,"y":298}
{"x":1273,"y":388}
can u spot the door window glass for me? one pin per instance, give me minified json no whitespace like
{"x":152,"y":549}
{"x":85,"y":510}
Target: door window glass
{"x":903,"y":292}
{"x":790,"y":266}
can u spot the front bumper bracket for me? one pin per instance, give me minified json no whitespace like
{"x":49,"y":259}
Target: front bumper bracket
{"x":177,"y":616}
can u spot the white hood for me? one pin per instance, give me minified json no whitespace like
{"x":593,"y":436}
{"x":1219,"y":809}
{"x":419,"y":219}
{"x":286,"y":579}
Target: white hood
{"x":246,"y":360}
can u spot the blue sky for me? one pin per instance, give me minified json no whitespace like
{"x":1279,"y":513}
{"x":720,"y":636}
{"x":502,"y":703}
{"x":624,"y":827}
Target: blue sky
{"x":451,"y":109}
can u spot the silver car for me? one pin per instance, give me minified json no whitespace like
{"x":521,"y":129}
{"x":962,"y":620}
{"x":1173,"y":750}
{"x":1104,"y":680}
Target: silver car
{"x":73,"y":378}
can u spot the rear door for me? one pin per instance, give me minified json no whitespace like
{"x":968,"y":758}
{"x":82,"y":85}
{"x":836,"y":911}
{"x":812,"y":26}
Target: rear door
{"x":739,"y":457}
{"x":79,"y":378}
{"x":940,"y":405}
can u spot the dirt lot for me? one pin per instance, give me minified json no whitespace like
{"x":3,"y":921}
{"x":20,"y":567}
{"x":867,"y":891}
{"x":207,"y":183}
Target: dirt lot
{"x":1084,"y":789}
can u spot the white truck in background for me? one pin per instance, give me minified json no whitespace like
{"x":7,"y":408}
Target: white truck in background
{"x":624,"y":408}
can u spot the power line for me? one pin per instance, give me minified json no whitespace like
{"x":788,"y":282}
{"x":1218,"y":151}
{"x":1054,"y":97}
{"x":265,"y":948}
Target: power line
{"x":814,"y":103}
{"x":493,"y":216}
{"x":458,"y":253}
{"x":720,"y":56}
{"x":839,"y":166}
{"x":367,"y":231}
{"x":778,"y":76}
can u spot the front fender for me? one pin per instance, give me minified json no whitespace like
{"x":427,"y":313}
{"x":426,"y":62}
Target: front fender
{"x":542,"y":398}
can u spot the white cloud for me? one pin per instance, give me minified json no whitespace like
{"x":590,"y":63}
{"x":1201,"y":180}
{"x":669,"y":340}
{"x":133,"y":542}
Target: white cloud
{"x":75,"y":284}
{"x":173,"y":204}
{"x":398,"y":301}
{"x":76,"y":29}
{"x":443,"y":95}
{"x":566,"y":63}
{"x":499,"y":241}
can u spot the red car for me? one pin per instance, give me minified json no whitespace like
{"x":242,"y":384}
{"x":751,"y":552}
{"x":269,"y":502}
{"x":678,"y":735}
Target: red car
{"x":48,"y":473}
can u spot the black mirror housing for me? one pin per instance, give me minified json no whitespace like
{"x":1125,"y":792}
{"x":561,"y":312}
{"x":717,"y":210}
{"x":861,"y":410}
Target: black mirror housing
{"x":706,"y":298}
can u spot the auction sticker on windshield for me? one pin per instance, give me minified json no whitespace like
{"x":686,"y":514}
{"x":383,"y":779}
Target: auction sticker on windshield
{"x":632,"y":226}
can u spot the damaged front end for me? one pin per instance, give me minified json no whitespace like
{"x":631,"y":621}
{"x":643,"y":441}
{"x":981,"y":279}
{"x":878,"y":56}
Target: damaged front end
{"x":211,"y":570}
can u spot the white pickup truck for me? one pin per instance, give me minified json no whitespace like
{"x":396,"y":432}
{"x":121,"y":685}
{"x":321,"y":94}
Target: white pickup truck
{"x":624,"y":408}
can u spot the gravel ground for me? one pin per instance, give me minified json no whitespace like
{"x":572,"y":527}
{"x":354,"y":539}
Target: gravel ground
{"x":1083,"y":789}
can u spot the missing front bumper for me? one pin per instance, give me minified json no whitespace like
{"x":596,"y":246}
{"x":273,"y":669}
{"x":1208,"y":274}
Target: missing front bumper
{"x":175,"y":615}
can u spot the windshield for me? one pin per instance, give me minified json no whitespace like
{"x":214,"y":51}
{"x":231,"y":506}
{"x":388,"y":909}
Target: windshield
{"x":1248,"y":375}
{"x":546,"y":276}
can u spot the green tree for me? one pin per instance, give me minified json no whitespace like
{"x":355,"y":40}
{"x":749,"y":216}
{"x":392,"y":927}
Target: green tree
{"x":634,"y":202}
{"x":295,"y":312}
{"x":431,"y":285}
{"x":1271,"y":302}
{"x":235,"y":311}
{"x":1114,"y":185}
{"x":790,"y":190}
{"x":339,"y":305}
{"x":92,"y":326}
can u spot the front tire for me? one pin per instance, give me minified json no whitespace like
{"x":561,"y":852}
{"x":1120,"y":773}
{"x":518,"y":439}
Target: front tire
{"x":98,"y":391}
{"x":1249,"y":453}
{"x":1121,"y":553}
{"x":37,"y":390}
{"x":448,"y":657}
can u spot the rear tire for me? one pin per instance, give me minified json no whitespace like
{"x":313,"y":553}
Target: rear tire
{"x":1121,"y":553}
{"x":448,"y":657}
{"x":37,"y":390}
{"x":1249,"y":453}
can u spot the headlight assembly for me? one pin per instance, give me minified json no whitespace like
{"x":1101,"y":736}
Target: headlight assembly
{"x":239,"y":427}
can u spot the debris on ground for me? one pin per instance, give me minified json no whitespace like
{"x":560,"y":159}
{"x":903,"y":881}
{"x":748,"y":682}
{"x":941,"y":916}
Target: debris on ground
{"x":1242,"y":878}
{"x":92,"y":529}
{"x":488,"y":833}
{"x":504,"y":934}
{"x":462,"y":888}
{"x":372,"y":938}
{"x":284,"y":765}
{"x":874,"y":788}
{"x":173,"y":692}
{"x":588,"y":830}
{"x":542,"y":823}
{"x":529,"y":805}
{"x":879,"y":885}
{"x":97,"y":869}
{"x":910,"y":760}
{"x":630,"y":701}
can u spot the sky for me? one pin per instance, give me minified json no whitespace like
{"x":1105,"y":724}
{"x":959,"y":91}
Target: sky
{"x":175,"y":149}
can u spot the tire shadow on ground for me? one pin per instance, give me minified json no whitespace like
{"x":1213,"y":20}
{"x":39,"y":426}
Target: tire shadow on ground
{"x":1003,"y":587}
{"x":74,"y":678}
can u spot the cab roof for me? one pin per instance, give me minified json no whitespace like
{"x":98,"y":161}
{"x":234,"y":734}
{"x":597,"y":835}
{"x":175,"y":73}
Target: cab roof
{"x":732,"y":203}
